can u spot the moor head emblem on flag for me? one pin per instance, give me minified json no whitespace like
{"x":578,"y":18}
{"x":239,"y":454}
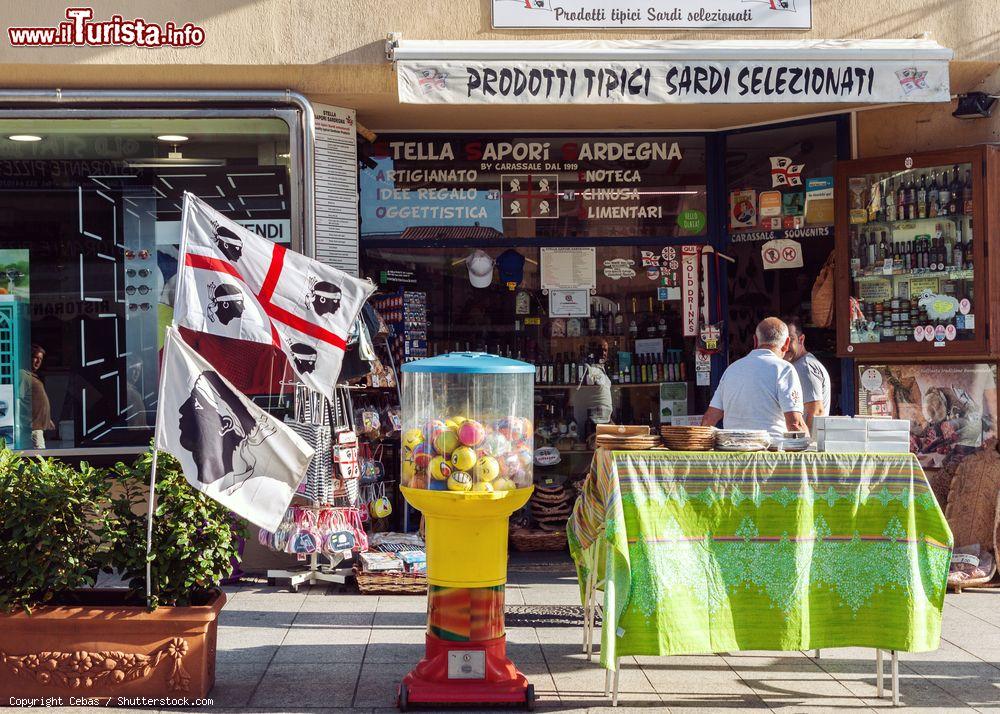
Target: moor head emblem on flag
{"x":226,"y":303}
{"x":304,"y":356}
{"x":228,"y":242}
{"x":323,"y":296}
{"x":220,"y":432}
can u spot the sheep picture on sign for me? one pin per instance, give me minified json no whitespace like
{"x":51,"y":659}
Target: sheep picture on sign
{"x":938,"y":307}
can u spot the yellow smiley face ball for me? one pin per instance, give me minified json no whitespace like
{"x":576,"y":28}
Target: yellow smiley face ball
{"x":482,"y":487}
{"x":439,"y":468}
{"x":463,"y":458}
{"x":412,"y":439}
{"x":487,"y":468}
{"x":460,"y":481}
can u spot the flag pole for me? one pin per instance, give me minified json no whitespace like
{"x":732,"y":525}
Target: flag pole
{"x":151,"y":501}
{"x":149,"y":523}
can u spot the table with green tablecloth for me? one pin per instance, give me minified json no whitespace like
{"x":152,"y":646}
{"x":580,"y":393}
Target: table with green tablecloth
{"x":703,"y":552}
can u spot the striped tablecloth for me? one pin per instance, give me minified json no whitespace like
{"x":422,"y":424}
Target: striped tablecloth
{"x":719,"y":552}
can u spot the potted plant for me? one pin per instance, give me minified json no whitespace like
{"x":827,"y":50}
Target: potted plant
{"x":59,"y":528}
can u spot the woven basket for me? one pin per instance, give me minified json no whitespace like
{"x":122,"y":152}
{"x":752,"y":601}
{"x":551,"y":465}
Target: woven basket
{"x":527,"y":540}
{"x":393,"y":582}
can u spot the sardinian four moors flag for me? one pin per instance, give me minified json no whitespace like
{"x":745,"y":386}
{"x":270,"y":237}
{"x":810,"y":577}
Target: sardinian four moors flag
{"x":233,"y":283}
{"x":228,"y":447}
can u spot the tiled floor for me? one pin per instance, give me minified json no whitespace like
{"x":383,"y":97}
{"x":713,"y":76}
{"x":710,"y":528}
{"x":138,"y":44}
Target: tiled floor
{"x":322,"y":649}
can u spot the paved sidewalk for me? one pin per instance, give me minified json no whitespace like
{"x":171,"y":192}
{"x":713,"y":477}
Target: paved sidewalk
{"x":320,"y":648}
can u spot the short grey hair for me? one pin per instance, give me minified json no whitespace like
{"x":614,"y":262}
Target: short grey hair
{"x":771,"y":332}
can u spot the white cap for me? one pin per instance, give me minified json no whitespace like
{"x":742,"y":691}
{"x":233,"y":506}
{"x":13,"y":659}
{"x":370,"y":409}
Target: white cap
{"x":480,"y":269}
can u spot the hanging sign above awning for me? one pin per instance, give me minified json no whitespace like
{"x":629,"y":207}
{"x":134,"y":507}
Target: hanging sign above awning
{"x":653,"y":14}
{"x":675,"y":72}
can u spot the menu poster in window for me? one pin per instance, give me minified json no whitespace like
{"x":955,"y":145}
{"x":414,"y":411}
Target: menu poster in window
{"x":952,"y":408}
{"x":569,"y":268}
{"x":480,"y":187}
{"x":336,"y":188}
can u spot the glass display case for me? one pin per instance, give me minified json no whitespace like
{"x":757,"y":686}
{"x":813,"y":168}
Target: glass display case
{"x":911,"y":256}
{"x":467,"y":423}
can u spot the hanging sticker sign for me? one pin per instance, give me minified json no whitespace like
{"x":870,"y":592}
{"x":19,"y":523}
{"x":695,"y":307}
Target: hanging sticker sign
{"x":784,"y":172}
{"x":781,"y":253}
{"x":618,"y":268}
{"x":689,"y":289}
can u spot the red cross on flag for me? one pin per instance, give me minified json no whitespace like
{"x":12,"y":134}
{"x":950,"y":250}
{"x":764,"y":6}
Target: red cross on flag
{"x":233,"y":283}
{"x":784,"y":172}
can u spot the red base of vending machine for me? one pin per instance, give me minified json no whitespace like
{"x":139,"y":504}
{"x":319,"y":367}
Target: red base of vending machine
{"x":465,"y":673}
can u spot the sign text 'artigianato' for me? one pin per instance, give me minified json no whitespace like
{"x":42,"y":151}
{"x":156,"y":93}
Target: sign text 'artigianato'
{"x":663,"y":82}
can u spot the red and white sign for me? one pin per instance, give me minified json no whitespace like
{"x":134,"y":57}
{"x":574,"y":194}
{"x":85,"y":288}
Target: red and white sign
{"x":689,"y":289}
{"x":784,"y":172}
{"x":781,"y":253}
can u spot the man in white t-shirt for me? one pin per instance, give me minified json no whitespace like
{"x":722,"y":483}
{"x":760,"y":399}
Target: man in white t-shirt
{"x":762,"y":390}
{"x":813,"y":377}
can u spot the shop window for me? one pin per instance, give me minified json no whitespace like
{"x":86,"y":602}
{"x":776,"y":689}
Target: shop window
{"x":475,"y":188}
{"x":89,"y":227}
{"x":626,"y":348}
{"x":780,"y":215}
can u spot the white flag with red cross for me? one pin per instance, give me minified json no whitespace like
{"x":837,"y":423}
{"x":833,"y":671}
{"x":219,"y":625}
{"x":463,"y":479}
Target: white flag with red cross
{"x":784,"y":172}
{"x":234,"y":283}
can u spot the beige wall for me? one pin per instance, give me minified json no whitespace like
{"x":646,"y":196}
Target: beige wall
{"x":308,"y":32}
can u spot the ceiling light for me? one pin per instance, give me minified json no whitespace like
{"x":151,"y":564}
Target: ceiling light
{"x":24,"y":137}
{"x":974,"y":105}
{"x":172,"y":137}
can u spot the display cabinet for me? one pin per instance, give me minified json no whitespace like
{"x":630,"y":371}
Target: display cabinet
{"x":916,"y":273}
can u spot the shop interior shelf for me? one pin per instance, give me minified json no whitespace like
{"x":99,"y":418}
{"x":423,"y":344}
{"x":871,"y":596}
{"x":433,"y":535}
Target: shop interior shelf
{"x":613,"y":386}
{"x":963,"y":274}
{"x":903,"y":222}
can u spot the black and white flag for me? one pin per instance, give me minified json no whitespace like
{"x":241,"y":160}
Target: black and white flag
{"x":228,"y":447}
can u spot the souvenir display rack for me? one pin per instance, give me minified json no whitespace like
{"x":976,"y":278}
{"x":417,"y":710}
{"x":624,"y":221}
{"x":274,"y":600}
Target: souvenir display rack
{"x":314,"y":414}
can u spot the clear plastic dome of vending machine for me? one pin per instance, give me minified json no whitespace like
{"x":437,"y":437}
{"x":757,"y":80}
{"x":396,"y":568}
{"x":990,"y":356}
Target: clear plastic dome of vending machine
{"x":467,"y":423}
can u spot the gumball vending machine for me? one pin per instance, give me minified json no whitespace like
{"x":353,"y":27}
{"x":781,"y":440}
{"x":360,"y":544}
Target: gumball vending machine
{"x":467,"y":460}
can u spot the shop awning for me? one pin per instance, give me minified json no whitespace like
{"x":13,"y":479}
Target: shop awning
{"x":671,"y":71}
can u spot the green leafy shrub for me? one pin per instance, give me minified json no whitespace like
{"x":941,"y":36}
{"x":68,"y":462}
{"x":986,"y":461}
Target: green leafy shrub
{"x":57,"y":528}
{"x":61,"y":526}
{"x":194,"y":537}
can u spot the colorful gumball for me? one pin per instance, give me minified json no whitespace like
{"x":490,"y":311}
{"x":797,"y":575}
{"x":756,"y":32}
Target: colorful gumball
{"x":463,"y":458}
{"x":471,"y":433}
{"x":408,"y":471}
{"x":459,"y":481}
{"x":487,"y":469}
{"x":504,"y":484}
{"x":412,"y":439}
{"x":509,"y":463}
{"x":433,"y":429}
{"x":482,"y":487}
{"x":446,"y":442}
{"x":459,"y":420}
{"x":525,"y":457}
{"x":439,"y":469}
{"x":422,"y":455}
{"x":494,"y":444}
{"x":436,"y":485}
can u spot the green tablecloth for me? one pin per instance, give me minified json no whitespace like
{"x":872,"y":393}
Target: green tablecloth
{"x":719,"y":552}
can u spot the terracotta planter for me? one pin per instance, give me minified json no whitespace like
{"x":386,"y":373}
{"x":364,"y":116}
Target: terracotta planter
{"x":101,"y":648}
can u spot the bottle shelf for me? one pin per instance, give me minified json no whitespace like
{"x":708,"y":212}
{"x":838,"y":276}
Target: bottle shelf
{"x":899,"y":223}
{"x":632,"y":385}
{"x":962,"y":274}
